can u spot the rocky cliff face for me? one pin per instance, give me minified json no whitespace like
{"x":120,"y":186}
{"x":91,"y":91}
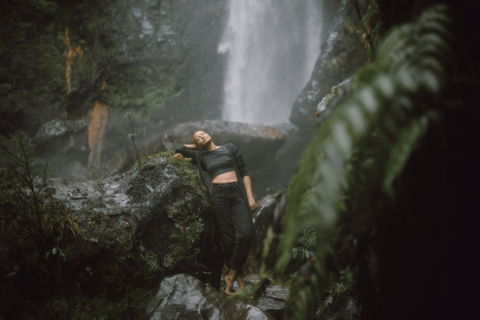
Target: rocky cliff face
{"x":163,"y":50}
{"x":154,"y":58}
{"x":342,"y":53}
{"x":163,"y":66}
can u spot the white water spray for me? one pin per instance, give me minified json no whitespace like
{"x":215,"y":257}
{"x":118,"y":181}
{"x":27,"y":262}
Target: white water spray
{"x":272,"y":46}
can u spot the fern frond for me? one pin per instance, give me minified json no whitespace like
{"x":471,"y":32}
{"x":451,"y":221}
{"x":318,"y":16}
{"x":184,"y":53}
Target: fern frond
{"x":385,"y":118}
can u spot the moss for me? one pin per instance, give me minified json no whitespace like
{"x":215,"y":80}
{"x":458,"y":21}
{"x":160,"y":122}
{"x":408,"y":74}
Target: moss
{"x":34,"y":56}
{"x":184,"y":168}
{"x":147,"y":87}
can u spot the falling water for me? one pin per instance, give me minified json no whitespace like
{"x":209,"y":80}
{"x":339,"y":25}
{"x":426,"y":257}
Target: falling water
{"x":272,"y":46}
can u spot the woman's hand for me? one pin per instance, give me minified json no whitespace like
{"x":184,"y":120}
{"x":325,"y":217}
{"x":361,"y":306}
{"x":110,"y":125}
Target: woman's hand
{"x":252,"y":204}
{"x":179,"y":156}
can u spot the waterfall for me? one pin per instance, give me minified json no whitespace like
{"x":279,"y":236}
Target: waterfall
{"x":272,"y":46}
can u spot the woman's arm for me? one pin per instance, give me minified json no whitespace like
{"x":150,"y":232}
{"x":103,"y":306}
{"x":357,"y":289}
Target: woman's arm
{"x":248,"y":186}
{"x":186,"y":151}
{"x":242,"y":167}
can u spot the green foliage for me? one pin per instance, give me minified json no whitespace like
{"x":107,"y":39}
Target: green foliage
{"x":348,"y":169}
{"x":304,"y":248}
{"x":187,"y":231}
{"x":32,"y":51}
{"x":145,"y":87}
{"x":342,"y":283}
{"x":33,"y":233}
{"x":368,"y":30}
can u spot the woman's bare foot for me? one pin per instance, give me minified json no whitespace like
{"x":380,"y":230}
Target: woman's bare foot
{"x":241,"y":285}
{"x":229,"y":278}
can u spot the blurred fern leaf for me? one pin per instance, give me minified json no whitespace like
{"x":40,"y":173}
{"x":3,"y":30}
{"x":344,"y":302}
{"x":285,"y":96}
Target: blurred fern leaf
{"x":386,"y":119}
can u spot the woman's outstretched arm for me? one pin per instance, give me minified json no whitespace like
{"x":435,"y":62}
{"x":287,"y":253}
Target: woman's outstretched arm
{"x":186,"y":151}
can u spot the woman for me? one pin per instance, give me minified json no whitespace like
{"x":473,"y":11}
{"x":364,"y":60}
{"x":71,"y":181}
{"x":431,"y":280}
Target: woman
{"x":232,"y":214}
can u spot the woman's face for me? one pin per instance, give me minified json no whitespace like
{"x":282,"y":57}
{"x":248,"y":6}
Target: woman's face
{"x":202,"y":139}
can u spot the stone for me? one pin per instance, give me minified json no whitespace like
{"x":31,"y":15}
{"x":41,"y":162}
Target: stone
{"x":184,"y":297}
{"x":339,"y":59}
{"x":338,"y":306}
{"x":262,"y":219}
{"x":133,"y":214}
{"x":273,"y":301}
{"x":329,"y":103}
{"x":257,"y":143}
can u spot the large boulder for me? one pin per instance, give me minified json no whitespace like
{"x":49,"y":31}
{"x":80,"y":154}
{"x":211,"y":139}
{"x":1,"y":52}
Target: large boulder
{"x":127,"y":221}
{"x":184,"y":297}
{"x":257,"y":143}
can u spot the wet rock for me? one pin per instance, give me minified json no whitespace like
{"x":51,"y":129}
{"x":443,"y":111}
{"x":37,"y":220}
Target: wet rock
{"x":337,"y":306}
{"x":184,"y":297}
{"x":257,"y":143}
{"x":273,"y":301}
{"x":131,"y":214}
{"x":332,"y":100}
{"x":252,"y":278}
{"x":61,"y":142}
{"x":262,"y":219}
{"x":340,"y":57}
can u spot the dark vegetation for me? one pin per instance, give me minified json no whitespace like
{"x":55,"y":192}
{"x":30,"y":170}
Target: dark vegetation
{"x":392,"y":173}
{"x":39,"y":237}
{"x":36,"y":237}
{"x":33,"y":86}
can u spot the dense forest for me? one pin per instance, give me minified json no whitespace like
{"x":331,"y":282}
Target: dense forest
{"x":380,"y":206}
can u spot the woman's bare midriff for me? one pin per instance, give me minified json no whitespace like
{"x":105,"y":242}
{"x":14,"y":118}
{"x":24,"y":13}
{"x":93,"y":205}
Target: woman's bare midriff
{"x":226,"y":177}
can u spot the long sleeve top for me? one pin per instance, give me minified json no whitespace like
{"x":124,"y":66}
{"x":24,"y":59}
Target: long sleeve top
{"x":217,"y":161}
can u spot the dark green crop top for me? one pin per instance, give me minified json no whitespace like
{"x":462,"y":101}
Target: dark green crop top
{"x":217,"y":161}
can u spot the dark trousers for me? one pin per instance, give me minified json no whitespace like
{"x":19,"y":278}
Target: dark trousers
{"x":234,"y":223}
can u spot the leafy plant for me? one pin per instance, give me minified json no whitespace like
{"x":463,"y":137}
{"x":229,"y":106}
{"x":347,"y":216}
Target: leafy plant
{"x":368,"y":28}
{"x":187,"y":232}
{"x":33,"y":233}
{"x":347,"y":173}
{"x":304,"y":249}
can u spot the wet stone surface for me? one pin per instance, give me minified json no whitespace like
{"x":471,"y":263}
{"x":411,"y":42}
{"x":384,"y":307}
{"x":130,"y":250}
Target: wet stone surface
{"x":184,"y":297}
{"x":131,"y":213}
{"x":273,"y":301}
